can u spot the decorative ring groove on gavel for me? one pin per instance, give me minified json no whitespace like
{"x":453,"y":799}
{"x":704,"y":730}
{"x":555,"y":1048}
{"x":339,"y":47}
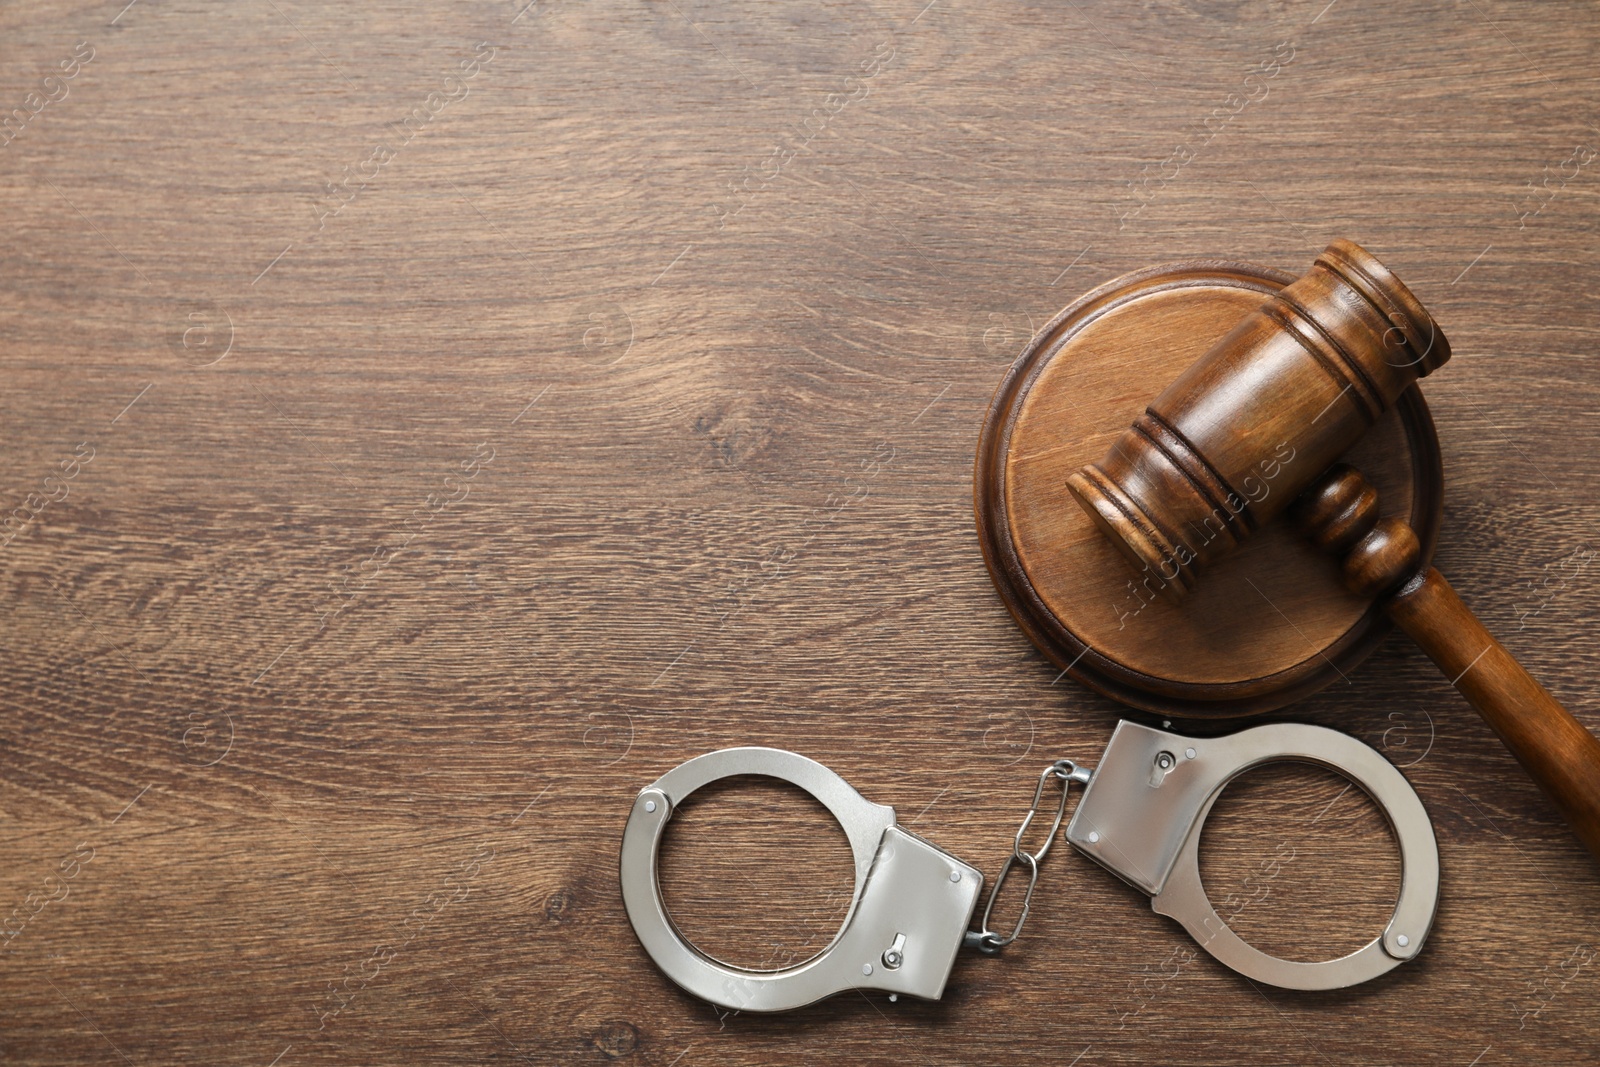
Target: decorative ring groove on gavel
{"x":1262,"y":416}
{"x":1315,"y":367}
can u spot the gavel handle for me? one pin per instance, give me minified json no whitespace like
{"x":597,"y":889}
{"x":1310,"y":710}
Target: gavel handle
{"x":1339,"y":513}
{"x":1557,"y":751}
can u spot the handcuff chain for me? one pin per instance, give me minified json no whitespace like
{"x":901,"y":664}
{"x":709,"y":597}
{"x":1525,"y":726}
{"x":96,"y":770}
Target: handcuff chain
{"x":987,"y":940}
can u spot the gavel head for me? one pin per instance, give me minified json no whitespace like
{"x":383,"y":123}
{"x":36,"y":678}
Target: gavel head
{"x":1251,"y":423}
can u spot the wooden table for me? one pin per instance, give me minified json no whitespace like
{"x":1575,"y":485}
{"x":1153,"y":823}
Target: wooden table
{"x":425,"y":425}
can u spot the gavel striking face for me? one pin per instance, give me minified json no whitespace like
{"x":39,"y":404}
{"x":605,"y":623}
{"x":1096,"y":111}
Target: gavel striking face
{"x":1228,"y":445}
{"x":1252,"y":428}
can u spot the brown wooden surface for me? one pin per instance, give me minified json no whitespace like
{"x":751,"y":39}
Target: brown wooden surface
{"x":1232,"y":439}
{"x":1558,"y":752}
{"x":1224,"y":649}
{"x":287,"y":710}
{"x":1340,"y":514}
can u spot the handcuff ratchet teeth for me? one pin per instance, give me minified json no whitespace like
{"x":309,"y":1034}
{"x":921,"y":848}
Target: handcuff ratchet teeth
{"x":1140,"y":817}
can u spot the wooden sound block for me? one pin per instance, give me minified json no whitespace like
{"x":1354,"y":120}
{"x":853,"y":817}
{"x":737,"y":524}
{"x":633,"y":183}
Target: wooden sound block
{"x":1271,"y":622}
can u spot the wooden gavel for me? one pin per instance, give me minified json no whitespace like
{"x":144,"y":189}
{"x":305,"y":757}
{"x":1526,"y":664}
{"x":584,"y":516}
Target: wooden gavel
{"x":1255,"y":424}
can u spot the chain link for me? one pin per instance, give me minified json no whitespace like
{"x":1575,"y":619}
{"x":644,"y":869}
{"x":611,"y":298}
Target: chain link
{"x":987,"y":940}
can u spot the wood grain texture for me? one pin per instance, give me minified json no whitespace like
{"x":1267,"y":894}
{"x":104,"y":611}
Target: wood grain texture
{"x":1233,"y":438}
{"x":1225,"y":649}
{"x":1339,"y":513}
{"x":619,"y":403}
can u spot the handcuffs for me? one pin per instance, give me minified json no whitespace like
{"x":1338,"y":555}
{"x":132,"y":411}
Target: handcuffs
{"x":1140,"y":817}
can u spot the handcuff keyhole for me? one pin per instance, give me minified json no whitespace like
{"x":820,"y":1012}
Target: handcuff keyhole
{"x":755,"y":872}
{"x":1164,"y":762}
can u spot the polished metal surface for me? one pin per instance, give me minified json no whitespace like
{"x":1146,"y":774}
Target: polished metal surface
{"x":911,"y":905}
{"x":985,"y":939}
{"x":1143,"y":811}
{"x":1140,"y":817}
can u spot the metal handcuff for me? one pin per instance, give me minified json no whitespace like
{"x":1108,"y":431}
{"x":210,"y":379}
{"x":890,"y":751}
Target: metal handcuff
{"x":1140,"y":817}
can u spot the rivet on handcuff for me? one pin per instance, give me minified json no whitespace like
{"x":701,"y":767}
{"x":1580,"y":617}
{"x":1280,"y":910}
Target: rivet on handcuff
{"x":1140,"y":817}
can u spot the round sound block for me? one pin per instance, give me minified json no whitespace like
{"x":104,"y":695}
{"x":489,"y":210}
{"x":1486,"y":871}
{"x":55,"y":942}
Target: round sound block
{"x":1270,"y":623}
